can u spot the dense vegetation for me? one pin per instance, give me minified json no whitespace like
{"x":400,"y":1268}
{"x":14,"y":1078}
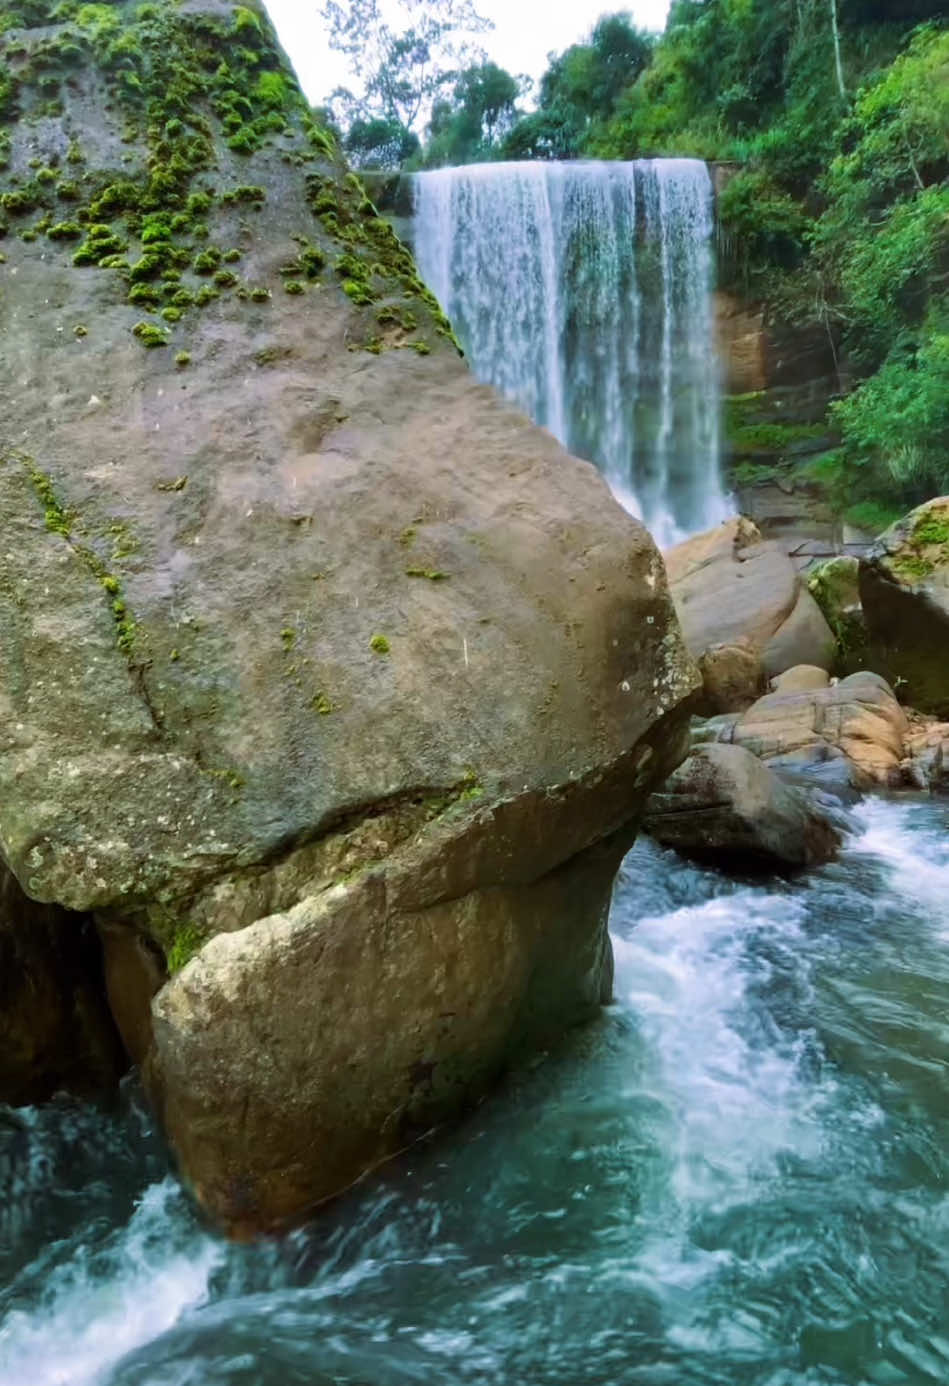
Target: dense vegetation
{"x":836,"y":115}
{"x":840,"y":211}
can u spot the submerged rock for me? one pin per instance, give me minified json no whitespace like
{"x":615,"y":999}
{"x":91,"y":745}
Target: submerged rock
{"x":904,"y":589}
{"x":331,"y":684}
{"x":725,"y":806}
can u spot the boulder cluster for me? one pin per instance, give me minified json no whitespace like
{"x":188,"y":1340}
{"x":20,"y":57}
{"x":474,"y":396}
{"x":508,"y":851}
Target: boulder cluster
{"x":788,"y":738}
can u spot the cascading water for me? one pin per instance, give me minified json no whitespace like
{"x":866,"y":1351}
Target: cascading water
{"x":583,"y":292}
{"x":737,"y":1177}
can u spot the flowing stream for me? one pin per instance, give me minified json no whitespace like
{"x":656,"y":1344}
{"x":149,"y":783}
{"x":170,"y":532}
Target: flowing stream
{"x":583,"y":292}
{"x":737,"y":1177}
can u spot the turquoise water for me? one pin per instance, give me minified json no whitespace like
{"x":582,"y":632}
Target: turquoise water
{"x":737,"y":1176}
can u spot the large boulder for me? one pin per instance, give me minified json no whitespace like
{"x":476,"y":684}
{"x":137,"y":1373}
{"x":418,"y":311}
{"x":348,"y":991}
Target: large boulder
{"x":858,"y":720}
{"x":724,"y":805}
{"x":904,"y":590}
{"x":729,"y":587}
{"x":333,"y":686}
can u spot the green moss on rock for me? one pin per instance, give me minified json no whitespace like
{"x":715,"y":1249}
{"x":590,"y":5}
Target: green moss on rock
{"x":183,"y":82}
{"x":187,"y":941}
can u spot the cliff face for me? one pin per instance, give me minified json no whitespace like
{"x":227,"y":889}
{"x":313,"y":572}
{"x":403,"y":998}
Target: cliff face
{"x":778,"y":378}
{"x":332,"y":686}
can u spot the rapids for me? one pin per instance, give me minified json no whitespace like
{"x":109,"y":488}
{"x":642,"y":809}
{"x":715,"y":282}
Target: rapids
{"x":736,"y":1177}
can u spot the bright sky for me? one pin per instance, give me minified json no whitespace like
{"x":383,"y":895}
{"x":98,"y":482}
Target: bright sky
{"x":525,"y":32}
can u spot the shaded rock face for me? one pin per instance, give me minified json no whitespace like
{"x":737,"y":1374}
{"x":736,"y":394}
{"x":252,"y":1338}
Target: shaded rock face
{"x":729,"y":586}
{"x":926,"y":754}
{"x":724,"y":805}
{"x":778,"y":379}
{"x":904,"y":591}
{"x":326,"y":678}
{"x":732,"y":676}
{"x":835,"y":587}
{"x":56,"y":1032}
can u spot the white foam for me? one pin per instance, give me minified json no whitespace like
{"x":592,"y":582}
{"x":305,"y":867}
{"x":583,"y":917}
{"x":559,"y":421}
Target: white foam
{"x":105,"y":1303}
{"x":733,"y":1102}
{"x":917,"y":857}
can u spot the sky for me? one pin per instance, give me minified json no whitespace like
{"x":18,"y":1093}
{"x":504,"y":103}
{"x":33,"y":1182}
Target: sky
{"x":525,"y":32}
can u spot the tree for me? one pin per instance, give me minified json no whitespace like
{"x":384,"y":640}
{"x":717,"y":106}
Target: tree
{"x":469,"y":127}
{"x":379,"y":143}
{"x":402,"y":67}
{"x":580,"y":90}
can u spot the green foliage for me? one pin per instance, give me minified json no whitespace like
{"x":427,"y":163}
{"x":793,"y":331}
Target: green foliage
{"x":102,"y":20}
{"x":150,"y":334}
{"x":65,"y":231}
{"x":358,"y":291}
{"x":882,"y":244}
{"x":895,"y":426}
{"x":207,"y":261}
{"x":187,"y":943}
{"x":469,"y":127}
{"x":144,"y":295}
{"x":882,"y":237}
{"x":379,"y":645}
{"x":380,"y":142}
{"x":245,"y":192}
{"x":57,"y":518}
{"x":761,"y":225}
{"x":101,"y":243}
{"x":581,"y":92}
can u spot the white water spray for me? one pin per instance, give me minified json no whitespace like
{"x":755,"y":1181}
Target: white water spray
{"x":583,"y":293}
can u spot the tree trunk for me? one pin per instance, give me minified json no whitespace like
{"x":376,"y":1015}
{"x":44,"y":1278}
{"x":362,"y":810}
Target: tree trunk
{"x":836,"y":32}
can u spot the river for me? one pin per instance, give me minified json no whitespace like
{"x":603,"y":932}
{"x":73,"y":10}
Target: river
{"x":736,"y":1177}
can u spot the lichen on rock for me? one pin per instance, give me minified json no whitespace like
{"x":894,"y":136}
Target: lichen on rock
{"x":362,"y":879}
{"x":904,"y":588}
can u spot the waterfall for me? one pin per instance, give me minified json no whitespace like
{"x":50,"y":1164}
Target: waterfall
{"x":582,"y":291}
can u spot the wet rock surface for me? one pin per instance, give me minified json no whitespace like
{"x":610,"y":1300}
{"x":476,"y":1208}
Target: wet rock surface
{"x":726,"y":806}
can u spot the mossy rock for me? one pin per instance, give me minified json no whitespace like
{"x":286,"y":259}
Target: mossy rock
{"x":904,"y":588}
{"x":835,"y":587}
{"x":374,"y":779}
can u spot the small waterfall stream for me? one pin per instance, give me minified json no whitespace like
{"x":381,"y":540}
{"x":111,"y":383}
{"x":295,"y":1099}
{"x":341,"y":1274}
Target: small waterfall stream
{"x":583,"y":292}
